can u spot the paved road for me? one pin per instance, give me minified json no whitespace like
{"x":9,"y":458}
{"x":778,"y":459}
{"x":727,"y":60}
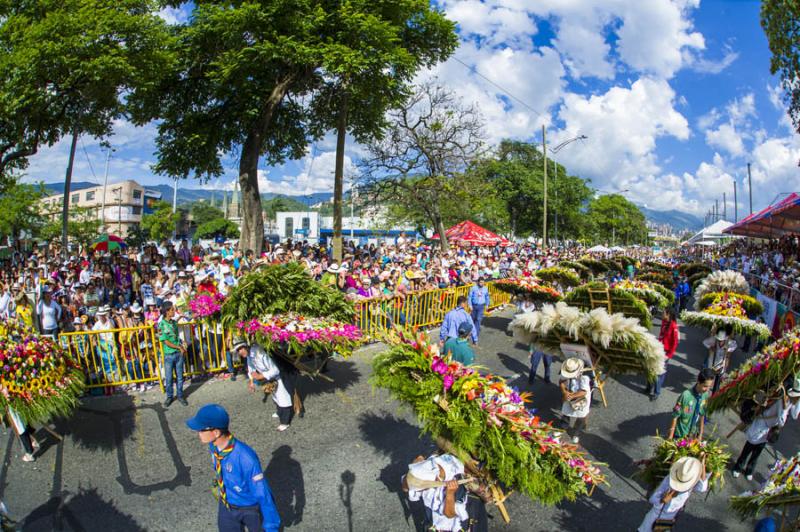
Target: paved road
{"x":127,"y":464}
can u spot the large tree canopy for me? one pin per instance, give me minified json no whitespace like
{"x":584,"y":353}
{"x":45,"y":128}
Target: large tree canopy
{"x":615,"y":220}
{"x":781,"y":22}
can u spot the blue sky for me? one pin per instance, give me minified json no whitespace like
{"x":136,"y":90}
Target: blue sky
{"x":675,"y":96}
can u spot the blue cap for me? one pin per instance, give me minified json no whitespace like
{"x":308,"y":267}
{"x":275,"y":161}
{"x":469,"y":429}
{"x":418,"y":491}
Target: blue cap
{"x":210,"y":416}
{"x":464,"y":327}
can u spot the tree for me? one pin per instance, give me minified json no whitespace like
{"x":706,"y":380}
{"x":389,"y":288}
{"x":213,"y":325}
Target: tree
{"x":381,"y":46}
{"x":20,"y":210}
{"x":780,"y":20}
{"x":430,"y":142}
{"x":83,"y":227}
{"x":615,"y":220}
{"x":218,"y":227}
{"x":64,"y":68}
{"x":278,"y":204}
{"x":203,"y":212}
{"x":161,"y":223}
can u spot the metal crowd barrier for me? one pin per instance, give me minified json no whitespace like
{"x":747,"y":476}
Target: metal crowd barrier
{"x":134,"y":355}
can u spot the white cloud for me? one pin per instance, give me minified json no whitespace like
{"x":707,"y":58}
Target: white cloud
{"x":709,"y":66}
{"x":316,"y":175}
{"x":725,"y":137}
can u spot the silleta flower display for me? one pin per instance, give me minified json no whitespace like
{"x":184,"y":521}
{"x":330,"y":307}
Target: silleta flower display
{"x":644,"y":291}
{"x":529,"y":287}
{"x":206,"y":306}
{"x":728,"y":310}
{"x":302,"y":334}
{"x":781,"y":489}
{"x":39,"y":380}
{"x":666,"y":452}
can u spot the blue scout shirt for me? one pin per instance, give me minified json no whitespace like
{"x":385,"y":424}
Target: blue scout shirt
{"x":245,"y":484}
{"x":452,"y":320}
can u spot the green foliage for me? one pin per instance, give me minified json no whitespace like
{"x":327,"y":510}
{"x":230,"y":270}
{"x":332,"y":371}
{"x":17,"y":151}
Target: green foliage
{"x":560,"y":275}
{"x":161,"y":223}
{"x":695,"y":279}
{"x":595,"y":266}
{"x":65,"y":66}
{"x":694,"y":268}
{"x":583,"y":271}
{"x":667,"y":293}
{"x":780,"y":20}
{"x":751,"y":305}
{"x":622,"y":301}
{"x":136,"y":237}
{"x":82,"y":227}
{"x":613,"y":265}
{"x":217,"y":227}
{"x":19,"y":209}
{"x":203,"y":212}
{"x":616,"y":220}
{"x":667,"y":452}
{"x":278,"y":204}
{"x":657,"y":267}
{"x":662,"y":279}
{"x":278,"y":289}
{"x":745,"y":327}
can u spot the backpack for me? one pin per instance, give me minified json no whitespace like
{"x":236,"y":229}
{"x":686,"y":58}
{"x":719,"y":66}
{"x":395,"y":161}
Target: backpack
{"x":748,"y":411}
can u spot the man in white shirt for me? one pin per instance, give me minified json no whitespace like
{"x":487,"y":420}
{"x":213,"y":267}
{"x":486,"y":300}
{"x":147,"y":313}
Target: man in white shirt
{"x":5,"y":302}
{"x":447,"y":511}
{"x":262,"y":369}
{"x":686,"y":476}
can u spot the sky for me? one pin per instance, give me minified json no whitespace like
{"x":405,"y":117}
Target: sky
{"x":675,"y":97}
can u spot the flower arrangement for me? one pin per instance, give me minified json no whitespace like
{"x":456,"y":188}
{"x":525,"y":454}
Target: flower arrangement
{"x":751,"y":305}
{"x":622,"y":301}
{"x":577,"y":267}
{"x":644,"y":291}
{"x":556,"y":274}
{"x":765,"y":371}
{"x":38,"y":380}
{"x":727,"y":312}
{"x":483,"y":418}
{"x":659,"y":278}
{"x":207,"y":306}
{"x":301,"y":335}
{"x":722,"y":281}
{"x":595,"y":266}
{"x":620,"y":344}
{"x":666,"y":452}
{"x":782,"y":488}
{"x":530,"y":288}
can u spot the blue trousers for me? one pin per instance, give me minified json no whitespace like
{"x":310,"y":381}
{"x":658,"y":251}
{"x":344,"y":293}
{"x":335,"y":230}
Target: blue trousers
{"x":659,"y":381}
{"x":235,"y":519}
{"x":173,"y":363}
{"x":536,"y":358}
{"x":477,"y":318}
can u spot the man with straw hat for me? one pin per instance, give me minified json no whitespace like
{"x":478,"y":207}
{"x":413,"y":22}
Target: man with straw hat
{"x":687,"y":475}
{"x":262,"y":370}
{"x":576,"y":392}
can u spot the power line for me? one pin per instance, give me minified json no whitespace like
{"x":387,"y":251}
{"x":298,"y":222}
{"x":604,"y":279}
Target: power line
{"x":503,"y":89}
{"x":88,"y":160}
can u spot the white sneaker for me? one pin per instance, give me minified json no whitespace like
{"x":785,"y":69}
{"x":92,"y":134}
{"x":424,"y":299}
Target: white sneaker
{"x":275,"y":415}
{"x":28,"y":457}
{"x":575,"y":439}
{"x":749,"y":477}
{"x":281,"y":428}
{"x":736,"y":474}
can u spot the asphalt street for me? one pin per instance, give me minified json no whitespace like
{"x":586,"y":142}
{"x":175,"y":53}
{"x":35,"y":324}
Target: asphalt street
{"x":128,"y":464}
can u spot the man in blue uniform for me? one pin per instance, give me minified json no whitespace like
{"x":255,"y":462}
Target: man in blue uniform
{"x":479,"y":301}
{"x":245,"y":499}
{"x":454,"y":318}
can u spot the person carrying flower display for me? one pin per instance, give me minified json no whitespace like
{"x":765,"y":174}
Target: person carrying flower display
{"x":262,"y":369}
{"x":720,"y":346}
{"x":771,"y":415}
{"x":688,"y":416}
{"x":686,"y":476}
{"x":576,"y":393}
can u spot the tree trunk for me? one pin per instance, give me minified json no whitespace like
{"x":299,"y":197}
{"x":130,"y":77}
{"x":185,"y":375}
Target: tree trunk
{"x":67,"y":186}
{"x":252,"y":234}
{"x":439,"y":225}
{"x":338,"y":180}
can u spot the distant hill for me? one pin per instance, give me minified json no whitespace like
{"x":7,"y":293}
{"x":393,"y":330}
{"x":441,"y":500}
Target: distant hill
{"x":677,"y":219}
{"x":58,"y":188}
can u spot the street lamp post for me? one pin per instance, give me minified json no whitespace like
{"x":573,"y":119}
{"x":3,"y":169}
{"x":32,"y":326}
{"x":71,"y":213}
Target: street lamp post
{"x":554,"y":151}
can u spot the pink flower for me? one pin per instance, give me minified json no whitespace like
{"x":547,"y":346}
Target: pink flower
{"x":448,"y":381}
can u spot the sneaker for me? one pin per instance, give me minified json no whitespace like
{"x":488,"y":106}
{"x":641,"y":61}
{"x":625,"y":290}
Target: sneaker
{"x":282,"y":427}
{"x":35,"y":444}
{"x":168,"y":401}
{"x":233,"y":377}
{"x":736,"y":474}
{"x":749,"y":477}
{"x":28,"y":457}
{"x":575,"y":439}
{"x":183,"y":401}
{"x":653,"y":397}
{"x":275,"y":415}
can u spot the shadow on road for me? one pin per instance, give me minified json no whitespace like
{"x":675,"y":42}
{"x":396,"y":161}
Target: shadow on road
{"x":343,"y":373}
{"x":285,"y":477}
{"x":100,"y":424}
{"x":634,"y":428}
{"x":346,"y":495}
{"x":84,"y":511}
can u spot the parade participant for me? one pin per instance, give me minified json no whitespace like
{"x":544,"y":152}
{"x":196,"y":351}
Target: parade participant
{"x":688,"y":416}
{"x":25,"y":434}
{"x":669,"y":337}
{"x":720,"y":346}
{"x":538,"y":356}
{"x":245,"y":499}
{"x":262,"y":369}
{"x":576,"y":395}
{"x":449,"y":506}
{"x":174,"y":350}
{"x":687,"y":475}
{"x":454,"y":318}
{"x":479,"y":301}
{"x":458,"y":348}
{"x":49,"y":313}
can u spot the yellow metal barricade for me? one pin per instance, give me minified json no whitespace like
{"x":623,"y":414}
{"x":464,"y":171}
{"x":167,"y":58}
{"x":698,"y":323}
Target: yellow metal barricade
{"x":208,"y":348}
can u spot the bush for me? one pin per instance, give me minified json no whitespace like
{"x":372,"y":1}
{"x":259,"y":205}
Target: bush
{"x":217,"y":227}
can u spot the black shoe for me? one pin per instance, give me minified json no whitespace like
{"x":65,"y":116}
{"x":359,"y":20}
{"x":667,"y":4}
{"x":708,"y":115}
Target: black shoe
{"x":653,"y":397}
{"x":233,"y":377}
{"x":183,"y":401}
{"x":548,"y":381}
{"x":530,"y":381}
{"x":169,"y":401}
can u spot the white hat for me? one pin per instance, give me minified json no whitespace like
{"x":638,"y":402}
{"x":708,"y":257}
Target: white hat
{"x":225,"y":269}
{"x":297,"y":252}
{"x":279,"y":251}
{"x":793,"y":392}
{"x":77,"y":321}
{"x":136,"y":308}
{"x":722,"y":335}
{"x":190,"y":268}
{"x":571,"y":368}
{"x":425,"y":470}
{"x":103,"y":310}
{"x":452,"y":466}
{"x":685,"y":473}
{"x":333,"y":268}
{"x":149,"y":302}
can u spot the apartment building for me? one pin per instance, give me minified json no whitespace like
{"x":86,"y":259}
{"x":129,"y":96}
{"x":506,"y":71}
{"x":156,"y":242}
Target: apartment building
{"x":124,"y":204}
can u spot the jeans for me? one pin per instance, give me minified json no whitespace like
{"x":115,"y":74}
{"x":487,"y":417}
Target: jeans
{"x":105,"y":352}
{"x":135,"y":370}
{"x":236,"y":519}
{"x":173,"y":362}
{"x":51,"y":332}
{"x":751,"y":450}
{"x":477,"y":318}
{"x":536,"y":358}
{"x":659,"y":382}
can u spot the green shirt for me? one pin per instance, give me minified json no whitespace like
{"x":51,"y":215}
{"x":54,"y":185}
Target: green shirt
{"x":168,"y":332}
{"x":459,"y":350}
{"x":689,"y":409}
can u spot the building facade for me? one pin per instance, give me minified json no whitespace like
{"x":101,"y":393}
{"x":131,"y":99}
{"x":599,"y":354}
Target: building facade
{"x":121,"y":209}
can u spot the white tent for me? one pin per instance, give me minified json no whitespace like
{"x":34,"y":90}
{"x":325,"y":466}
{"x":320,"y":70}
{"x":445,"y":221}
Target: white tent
{"x":711,"y":233}
{"x":598,"y":249}
{"x":617,"y":248}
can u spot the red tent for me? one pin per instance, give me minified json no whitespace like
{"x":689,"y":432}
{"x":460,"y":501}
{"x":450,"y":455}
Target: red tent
{"x":470,"y":233}
{"x":774,"y":221}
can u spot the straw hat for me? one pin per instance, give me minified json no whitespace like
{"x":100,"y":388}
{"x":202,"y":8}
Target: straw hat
{"x":685,"y":473}
{"x":239,"y":342}
{"x":333,"y":268}
{"x":572,"y":368}
{"x":136,"y":308}
{"x":722,"y":335}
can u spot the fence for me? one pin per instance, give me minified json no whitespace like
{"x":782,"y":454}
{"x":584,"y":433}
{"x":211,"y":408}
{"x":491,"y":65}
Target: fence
{"x":134,"y":355}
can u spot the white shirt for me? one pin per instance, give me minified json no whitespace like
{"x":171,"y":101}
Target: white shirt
{"x":5,"y":301}
{"x":669,"y":509}
{"x":49,"y":314}
{"x":259,"y":361}
{"x":774,"y":416}
{"x":100,"y":326}
{"x":434,"y":499}
{"x":573,"y":385}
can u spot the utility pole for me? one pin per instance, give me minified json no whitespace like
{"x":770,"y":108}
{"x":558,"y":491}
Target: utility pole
{"x":555,"y":190}
{"x":544,"y":216}
{"x":735,"y":203}
{"x":716,"y":210}
{"x":105,"y":186}
{"x":65,"y":206}
{"x":724,"y":206}
{"x":175,"y":207}
{"x":750,"y":187}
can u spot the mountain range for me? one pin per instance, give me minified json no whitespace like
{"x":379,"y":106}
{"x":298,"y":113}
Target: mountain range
{"x":677,"y":219}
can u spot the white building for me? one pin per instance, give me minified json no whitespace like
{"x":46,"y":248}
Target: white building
{"x":303,"y":225}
